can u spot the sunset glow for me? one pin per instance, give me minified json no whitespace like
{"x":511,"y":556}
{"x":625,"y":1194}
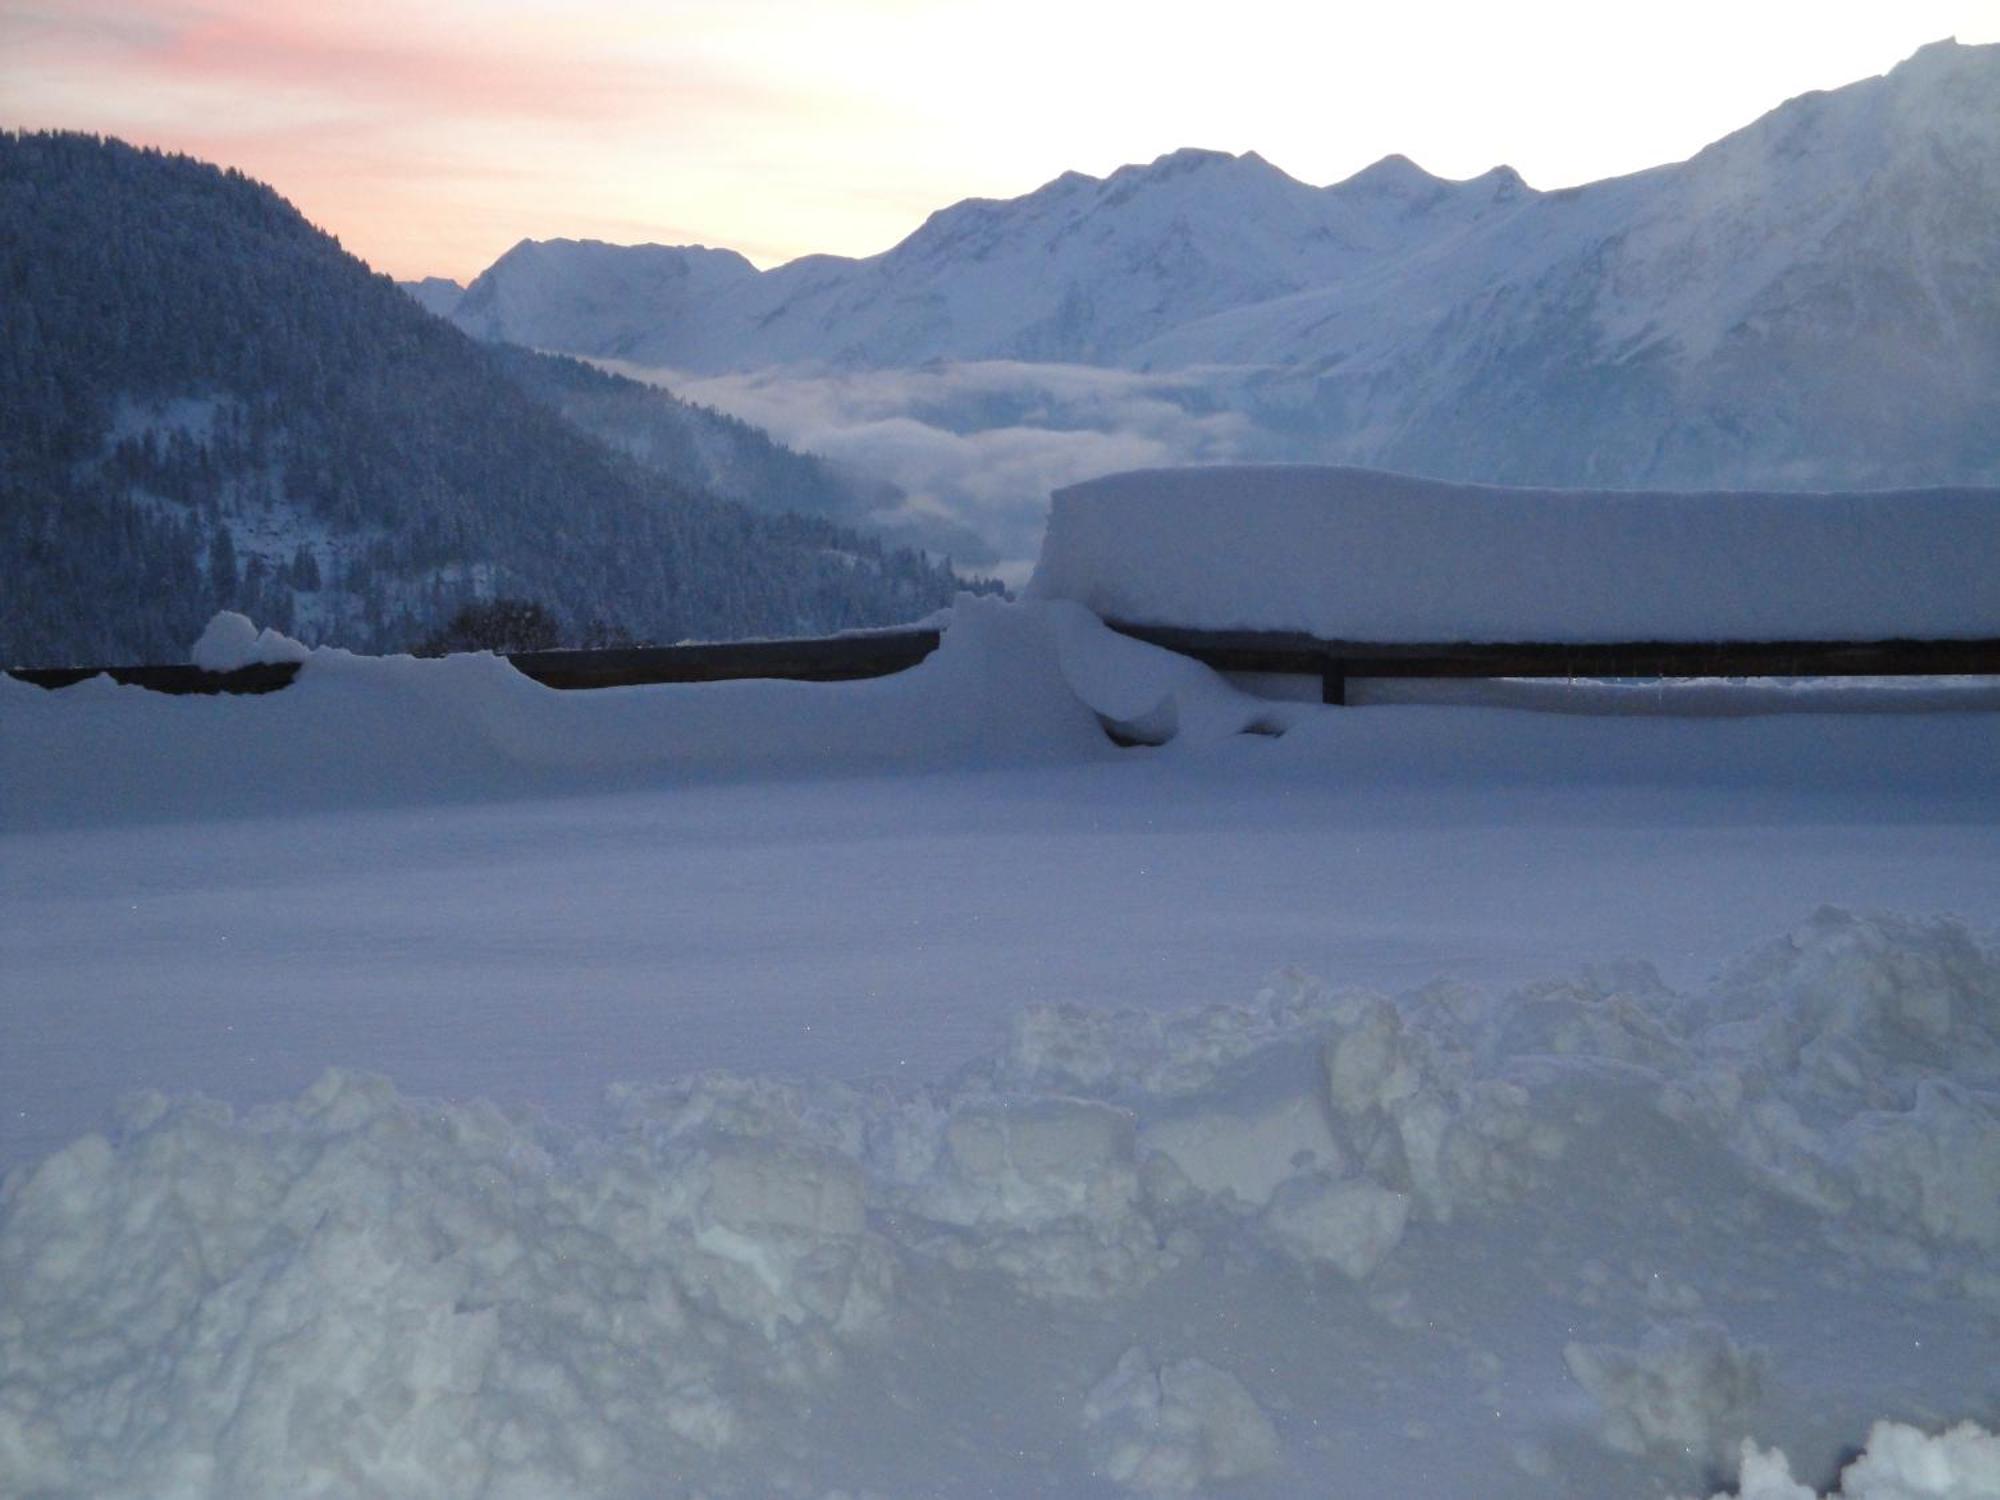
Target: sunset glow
{"x":430,"y":138}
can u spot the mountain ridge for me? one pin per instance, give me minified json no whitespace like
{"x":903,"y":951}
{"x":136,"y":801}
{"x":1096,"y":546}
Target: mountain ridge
{"x":602,"y":301}
{"x":1810,"y":300}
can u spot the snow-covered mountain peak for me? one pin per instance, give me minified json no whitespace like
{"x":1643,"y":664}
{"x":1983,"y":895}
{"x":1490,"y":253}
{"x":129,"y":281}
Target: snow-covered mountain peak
{"x":547,"y":292}
{"x":1186,"y":159}
{"x":1819,"y":216}
{"x":1397,"y":188}
{"x":714,"y":260}
{"x":1944,"y":55}
{"x":1195,"y":173}
{"x":1950,"y":90}
{"x":1501,"y":183}
{"x":1394,"y":176}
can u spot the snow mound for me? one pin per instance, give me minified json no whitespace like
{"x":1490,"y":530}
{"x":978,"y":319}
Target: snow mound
{"x":1353,"y":554}
{"x":444,"y":1299}
{"x":1687,"y":1390}
{"x":1856,"y":1066}
{"x":1901,"y":1463}
{"x":417,"y":1298}
{"x":1149,"y":696}
{"x":356,"y":730}
{"x":230,"y":641}
{"x":1033,"y":683}
{"x":1174,"y":1428}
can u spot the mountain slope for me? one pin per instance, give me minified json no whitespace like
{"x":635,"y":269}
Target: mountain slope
{"x":208,"y":403}
{"x":1812,"y":301}
{"x":435,"y":294}
{"x":684,"y":442}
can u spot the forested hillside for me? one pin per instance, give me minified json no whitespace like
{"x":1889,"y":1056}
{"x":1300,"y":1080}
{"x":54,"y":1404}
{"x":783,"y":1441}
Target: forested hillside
{"x":205,"y":402}
{"x":683,"y":441}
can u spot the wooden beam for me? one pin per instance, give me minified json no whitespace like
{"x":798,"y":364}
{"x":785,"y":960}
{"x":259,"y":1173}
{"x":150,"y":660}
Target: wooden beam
{"x":849,"y":657}
{"x":1286,"y":652}
{"x":264,"y":677}
{"x":839,"y":658}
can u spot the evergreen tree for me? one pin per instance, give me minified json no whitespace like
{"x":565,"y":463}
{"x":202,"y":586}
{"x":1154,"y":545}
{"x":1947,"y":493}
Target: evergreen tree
{"x":222,"y":563}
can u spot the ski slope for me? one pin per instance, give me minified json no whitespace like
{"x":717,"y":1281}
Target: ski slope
{"x":422,"y":1083}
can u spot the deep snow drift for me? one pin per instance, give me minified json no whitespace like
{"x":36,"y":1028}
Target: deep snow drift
{"x":1355,"y":554}
{"x":1725,"y":1222}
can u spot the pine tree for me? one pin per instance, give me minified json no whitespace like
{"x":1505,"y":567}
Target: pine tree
{"x":222,"y":579}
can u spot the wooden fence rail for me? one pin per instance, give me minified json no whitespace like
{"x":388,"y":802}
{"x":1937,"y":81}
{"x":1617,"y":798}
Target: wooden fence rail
{"x":838,"y":658}
{"x":1333,"y":662}
{"x":847,"y":657}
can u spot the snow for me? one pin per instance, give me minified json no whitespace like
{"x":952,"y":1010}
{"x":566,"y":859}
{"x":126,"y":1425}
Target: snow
{"x":1900,"y":1463}
{"x":1173,"y":1430}
{"x":419,"y":1082}
{"x":1686,"y":1389}
{"x":1353,"y":554}
{"x":1082,"y":268}
{"x":230,"y":641}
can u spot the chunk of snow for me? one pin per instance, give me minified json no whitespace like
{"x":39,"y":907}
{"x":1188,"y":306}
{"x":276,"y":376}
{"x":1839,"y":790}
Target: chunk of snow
{"x":1353,"y":554}
{"x":1151,"y":696}
{"x":1175,"y":1428}
{"x":759,"y":1188}
{"x":1856,"y":1063}
{"x":418,"y":1298}
{"x":1351,"y":1224}
{"x":1687,"y":1390}
{"x":1241,"y":1151}
{"x":1262,"y":1121}
{"x":230,"y":641}
{"x":1035,"y":1161}
{"x":1900,"y":1463}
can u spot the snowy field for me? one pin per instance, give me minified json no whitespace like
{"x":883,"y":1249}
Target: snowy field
{"x":421,"y":1083}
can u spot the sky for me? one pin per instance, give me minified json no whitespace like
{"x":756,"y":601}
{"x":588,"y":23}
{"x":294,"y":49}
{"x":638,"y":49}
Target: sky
{"x":431,"y":137}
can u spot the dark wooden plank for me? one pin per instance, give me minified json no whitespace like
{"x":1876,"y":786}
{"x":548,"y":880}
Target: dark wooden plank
{"x":824,"y":659}
{"x":1279,"y":651}
{"x":820,"y":659}
{"x":264,"y":677}
{"x":846,"y":658}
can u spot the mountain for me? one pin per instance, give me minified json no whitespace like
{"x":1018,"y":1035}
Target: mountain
{"x":206,"y":403}
{"x":601,"y":297}
{"x":1081,"y":270}
{"x":688,"y":443}
{"x":435,"y":294}
{"x":1813,"y":301}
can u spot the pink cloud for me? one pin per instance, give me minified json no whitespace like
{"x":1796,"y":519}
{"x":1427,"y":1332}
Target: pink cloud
{"x":368,"y":57}
{"x":429,"y":138}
